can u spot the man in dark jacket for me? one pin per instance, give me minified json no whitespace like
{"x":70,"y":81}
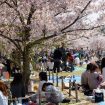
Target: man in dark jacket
{"x":63,"y":52}
{"x":57,"y":57}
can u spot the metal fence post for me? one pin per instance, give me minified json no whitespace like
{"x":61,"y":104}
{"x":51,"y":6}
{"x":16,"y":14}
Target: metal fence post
{"x":57,"y":78}
{"x":70,"y":87}
{"x":53,"y":76}
{"x":62,"y":83}
{"x":76,"y":92}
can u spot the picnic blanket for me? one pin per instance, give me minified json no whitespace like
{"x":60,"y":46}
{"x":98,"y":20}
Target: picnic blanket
{"x":101,"y":103}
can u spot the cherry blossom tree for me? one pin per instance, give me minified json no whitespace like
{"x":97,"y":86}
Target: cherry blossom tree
{"x":25,"y":23}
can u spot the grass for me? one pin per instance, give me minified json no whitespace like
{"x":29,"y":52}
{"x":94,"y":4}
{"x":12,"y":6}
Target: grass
{"x":75,"y":72}
{"x":70,"y":73}
{"x":81,"y":97}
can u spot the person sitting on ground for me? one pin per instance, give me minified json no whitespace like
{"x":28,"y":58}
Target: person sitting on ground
{"x":3,"y":94}
{"x":17,"y":87}
{"x":42,"y":80}
{"x":84,"y":77}
{"x":94,"y":78}
{"x":53,"y":95}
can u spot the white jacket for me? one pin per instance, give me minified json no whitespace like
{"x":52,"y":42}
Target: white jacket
{"x":53,"y":94}
{"x":3,"y":99}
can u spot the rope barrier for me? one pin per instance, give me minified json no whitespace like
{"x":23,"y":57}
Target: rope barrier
{"x":13,"y":99}
{"x":26,"y":97}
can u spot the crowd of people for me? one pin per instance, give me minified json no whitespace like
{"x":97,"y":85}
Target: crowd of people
{"x":63,"y":59}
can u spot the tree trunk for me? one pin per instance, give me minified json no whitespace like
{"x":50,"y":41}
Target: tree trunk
{"x":26,"y":68}
{"x":16,"y":58}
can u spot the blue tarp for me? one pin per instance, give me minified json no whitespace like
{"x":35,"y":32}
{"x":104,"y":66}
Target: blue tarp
{"x":101,"y":103}
{"x":75,"y":78}
{"x":66,"y":80}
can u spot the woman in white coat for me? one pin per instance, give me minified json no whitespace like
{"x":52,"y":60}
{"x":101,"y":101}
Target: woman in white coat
{"x":3,"y":94}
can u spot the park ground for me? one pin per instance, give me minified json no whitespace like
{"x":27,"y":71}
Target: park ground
{"x":82,"y":98}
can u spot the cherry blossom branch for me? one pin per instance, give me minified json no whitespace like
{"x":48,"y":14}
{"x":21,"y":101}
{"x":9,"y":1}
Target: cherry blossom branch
{"x":32,"y":10}
{"x":77,"y":18}
{"x":83,"y":29}
{"x":38,"y":41}
{"x":17,"y":11}
{"x":2,"y":2}
{"x":11,"y":40}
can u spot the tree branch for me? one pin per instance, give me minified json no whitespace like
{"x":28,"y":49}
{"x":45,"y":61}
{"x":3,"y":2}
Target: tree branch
{"x":77,"y":18}
{"x":83,"y":29}
{"x":57,"y":14}
{"x":11,"y":40}
{"x":2,"y":2}
{"x":18,"y":13}
{"x":14,"y":2}
{"x":18,"y":43}
{"x":76,"y":38}
{"x":32,"y":10}
{"x":31,"y":44}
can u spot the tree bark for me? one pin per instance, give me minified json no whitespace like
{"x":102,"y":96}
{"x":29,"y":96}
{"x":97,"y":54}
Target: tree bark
{"x":16,"y":58}
{"x":26,"y":68}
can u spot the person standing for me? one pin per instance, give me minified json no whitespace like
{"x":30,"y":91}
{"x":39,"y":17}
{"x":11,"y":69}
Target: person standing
{"x":57,"y":57}
{"x":87,"y":55}
{"x":70,"y":60}
{"x":81,"y":53}
{"x":63,"y":52}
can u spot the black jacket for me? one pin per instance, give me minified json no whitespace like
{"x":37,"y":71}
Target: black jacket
{"x":57,"y":54}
